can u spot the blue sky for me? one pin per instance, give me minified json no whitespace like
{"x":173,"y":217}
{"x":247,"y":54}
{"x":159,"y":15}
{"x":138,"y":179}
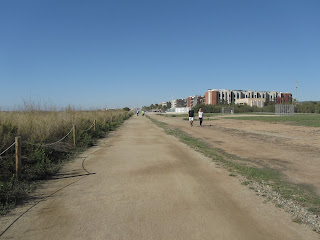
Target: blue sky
{"x":94,"y":54}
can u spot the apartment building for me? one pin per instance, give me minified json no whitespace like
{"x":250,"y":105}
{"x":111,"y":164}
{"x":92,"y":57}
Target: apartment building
{"x":259,"y":102}
{"x":164,"y":104}
{"x":194,"y":100}
{"x":256,"y":94}
{"x":284,"y":98}
{"x":211,"y":97}
{"x":272,"y":95}
{"x":216,"y":96}
{"x":223,"y":96}
{"x":178,"y":103}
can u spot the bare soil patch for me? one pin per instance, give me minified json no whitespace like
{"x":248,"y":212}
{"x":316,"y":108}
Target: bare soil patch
{"x":293,"y":150}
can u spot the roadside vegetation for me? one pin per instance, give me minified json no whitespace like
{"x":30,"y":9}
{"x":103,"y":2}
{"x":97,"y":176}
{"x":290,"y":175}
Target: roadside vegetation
{"x":254,"y":176}
{"x":41,"y":159}
{"x":156,"y":107}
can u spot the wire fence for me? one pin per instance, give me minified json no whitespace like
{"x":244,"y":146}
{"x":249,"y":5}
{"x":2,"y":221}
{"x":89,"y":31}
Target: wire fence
{"x":13,"y":191}
{"x":49,"y":144}
{"x":88,"y":128}
{"x":284,"y":109}
{"x":76,"y":134}
{"x":18,"y":143}
{"x":8,"y":148}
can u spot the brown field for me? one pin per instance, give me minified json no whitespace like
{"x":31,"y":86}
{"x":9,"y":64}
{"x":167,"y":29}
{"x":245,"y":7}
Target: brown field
{"x":292,"y":150}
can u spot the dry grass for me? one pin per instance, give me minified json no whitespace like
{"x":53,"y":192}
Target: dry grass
{"x":40,"y":127}
{"x":45,"y":127}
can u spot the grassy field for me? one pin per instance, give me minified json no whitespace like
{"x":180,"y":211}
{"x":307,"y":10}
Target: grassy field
{"x":186,"y":115}
{"x":213,"y":114}
{"x":39,"y":160}
{"x":308,"y":120}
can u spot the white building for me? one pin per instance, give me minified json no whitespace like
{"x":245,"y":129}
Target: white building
{"x":178,"y":103}
{"x":258,"y":102}
{"x":273,"y":95}
{"x":164,"y":104}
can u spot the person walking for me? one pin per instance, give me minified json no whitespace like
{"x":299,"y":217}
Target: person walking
{"x":200,"y":113}
{"x":191,"y":115}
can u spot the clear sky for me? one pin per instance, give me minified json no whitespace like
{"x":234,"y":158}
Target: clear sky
{"x":119,"y":53}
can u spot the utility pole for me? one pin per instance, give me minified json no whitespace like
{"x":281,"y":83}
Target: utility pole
{"x":296,"y":91}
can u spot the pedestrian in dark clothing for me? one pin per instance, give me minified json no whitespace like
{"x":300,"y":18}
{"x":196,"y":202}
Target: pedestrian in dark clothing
{"x":191,"y":115}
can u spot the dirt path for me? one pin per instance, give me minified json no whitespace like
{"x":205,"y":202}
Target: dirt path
{"x":294,"y":150}
{"x":148,"y":185}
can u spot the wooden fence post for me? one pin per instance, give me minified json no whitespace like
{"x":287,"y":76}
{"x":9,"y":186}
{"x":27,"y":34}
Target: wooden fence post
{"x":18,"y":157}
{"x":94,"y":125}
{"x":74,"y":135}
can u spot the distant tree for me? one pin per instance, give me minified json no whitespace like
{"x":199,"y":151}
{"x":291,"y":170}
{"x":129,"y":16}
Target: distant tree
{"x":198,"y":106}
{"x":222,"y":102}
{"x":164,"y":108}
{"x":307,"y":107}
{"x":317,"y":108}
{"x":269,"y":107}
{"x":145,"y":108}
{"x":126,"y":109}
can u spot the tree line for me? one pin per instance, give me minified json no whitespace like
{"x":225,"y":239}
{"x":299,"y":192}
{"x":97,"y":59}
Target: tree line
{"x":157,"y":107}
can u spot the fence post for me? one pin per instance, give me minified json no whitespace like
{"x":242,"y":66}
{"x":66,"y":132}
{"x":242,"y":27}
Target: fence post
{"x":18,"y":157}
{"x":94,"y":125}
{"x":74,"y":135}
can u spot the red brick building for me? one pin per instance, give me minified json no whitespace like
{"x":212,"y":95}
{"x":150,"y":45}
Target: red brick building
{"x":285,"y":98}
{"x":212,"y":97}
{"x":188,"y":102}
{"x":194,"y":100}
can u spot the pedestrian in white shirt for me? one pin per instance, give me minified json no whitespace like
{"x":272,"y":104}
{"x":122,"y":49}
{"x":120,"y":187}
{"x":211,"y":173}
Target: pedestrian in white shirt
{"x":200,"y":116}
